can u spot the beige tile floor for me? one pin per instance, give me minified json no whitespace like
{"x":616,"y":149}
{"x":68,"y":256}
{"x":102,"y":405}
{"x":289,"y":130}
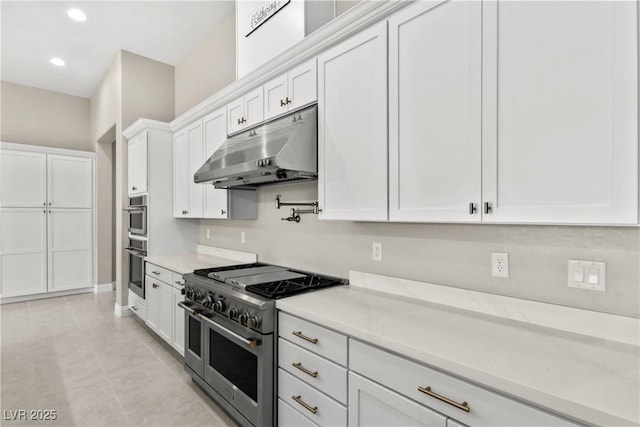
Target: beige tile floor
{"x":73,"y":355}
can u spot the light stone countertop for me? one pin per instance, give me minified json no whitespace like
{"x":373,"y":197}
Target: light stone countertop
{"x":205,"y":257}
{"x":588,"y":378}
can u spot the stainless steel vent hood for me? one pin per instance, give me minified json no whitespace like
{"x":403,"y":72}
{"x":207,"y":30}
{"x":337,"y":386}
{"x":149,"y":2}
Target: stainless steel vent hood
{"x":282,"y":150}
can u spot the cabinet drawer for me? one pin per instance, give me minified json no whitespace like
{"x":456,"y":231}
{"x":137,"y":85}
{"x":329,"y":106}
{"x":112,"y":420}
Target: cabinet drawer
{"x":159,"y":273}
{"x":288,"y":417}
{"x":405,"y":377}
{"x":322,"y":410}
{"x":176,"y":280}
{"x":138,"y":306}
{"x":317,"y":339}
{"x":313,"y":369}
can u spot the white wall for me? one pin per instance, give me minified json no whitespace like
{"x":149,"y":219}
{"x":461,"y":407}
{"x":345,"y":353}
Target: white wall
{"x":41,"y":117}
{"x":446,"y":254}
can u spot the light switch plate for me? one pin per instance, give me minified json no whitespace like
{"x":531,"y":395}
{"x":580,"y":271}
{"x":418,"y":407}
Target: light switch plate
{"x":590,"y":275}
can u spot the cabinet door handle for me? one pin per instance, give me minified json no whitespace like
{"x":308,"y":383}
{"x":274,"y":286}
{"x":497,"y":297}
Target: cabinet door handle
{"x":222,"y":212}
{"x":239,"y":122}
{"x":242,"y":120}
{"x":49,"y":203}
{"x":299,"y":366}
{"x":287,"y":100}
{"x":305,"y":405}
{"x":464,"y":406}
{"x":154,"y":285}
{"x":157,"y":273}
{"x":134,"y":188}
{"x":179,"y":282}
{"x":299,"y":334}
{"x":134,"y":308}
{"x":282,"y":103}
{"x":472,"y":208}
{"x":487,"y":207}
{"x":44,"y":203}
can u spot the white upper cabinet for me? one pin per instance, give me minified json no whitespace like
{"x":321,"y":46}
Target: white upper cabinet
{"x":215,"y":133}
{"x":137,"y":165}
{"x":560,"y":112}
{"x":291,"y":91}
{"x":246,"y":111}
{"x":352,"y":128}
{"x":23,"y":179}
{"x":435,"y":112}
{"x":70,"y":181}
{"x":187,"y":159}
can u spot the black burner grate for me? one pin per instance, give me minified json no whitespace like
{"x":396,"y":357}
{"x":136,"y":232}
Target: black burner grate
{"x":285,"y":288}
{"x":204,"y":272}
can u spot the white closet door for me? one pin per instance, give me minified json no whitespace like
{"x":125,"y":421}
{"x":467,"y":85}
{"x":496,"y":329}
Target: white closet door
{"x":23,"y":251}
{"x":560,"y":113}
{"x":70,"y":183}
{"x":70,"y":244}
{"x":23,"y":179}
{"x":435,"y":112}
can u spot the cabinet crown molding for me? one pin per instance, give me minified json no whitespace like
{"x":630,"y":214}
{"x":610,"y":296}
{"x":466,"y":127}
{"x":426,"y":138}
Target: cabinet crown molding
{"x":45,"y":149}
{"x":145,"y":124}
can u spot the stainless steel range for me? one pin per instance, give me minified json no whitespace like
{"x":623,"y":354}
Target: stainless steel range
{"x":230,"y":332}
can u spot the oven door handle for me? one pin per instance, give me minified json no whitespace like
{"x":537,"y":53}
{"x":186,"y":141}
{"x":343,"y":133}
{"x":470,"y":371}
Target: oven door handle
{"x":135,"y":252}
{"x":249,"y":343}
{"x":188,"y":309}
{"x":135,"y":209}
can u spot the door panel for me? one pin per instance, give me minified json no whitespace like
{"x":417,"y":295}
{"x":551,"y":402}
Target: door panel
{"x":70,"y":183}
{"x":70,"y":234}
{"x":215,"y":133}
{"x":23,"y":179}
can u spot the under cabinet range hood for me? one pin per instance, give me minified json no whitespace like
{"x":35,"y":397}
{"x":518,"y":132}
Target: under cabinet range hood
{"x":281,"y":150}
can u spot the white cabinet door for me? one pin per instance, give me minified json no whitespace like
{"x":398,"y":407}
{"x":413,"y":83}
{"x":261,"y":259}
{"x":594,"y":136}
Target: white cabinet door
{"x":235,"y":113}
{"x":352,"y":128}
{"x":253,"y":107}
{"x":302,"y":85}
{"x":435,"y":112}
{"x":371,"y":404}
{"x":215,"y":133}
{"x":137,"y":165}
{"x":23,"y":179}
{"x":187,"y":158}
{"x":275,"y":97}
{"x":152,"y":295}
{"x":70,"y":249}
{"x":165,"y":322}
{"x":70,"y":181}
{"x":178,"y":321}
{"x":23,"y":251}
{"x":560,"y":112}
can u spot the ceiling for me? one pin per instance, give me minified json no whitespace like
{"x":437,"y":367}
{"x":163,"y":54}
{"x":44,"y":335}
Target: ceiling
{"x":33,"y":32}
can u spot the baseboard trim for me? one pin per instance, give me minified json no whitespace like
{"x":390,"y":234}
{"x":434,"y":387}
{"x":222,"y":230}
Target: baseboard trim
{"x":122,"y":310}
{"x":44,"y":295}
{"x":105,"y":287}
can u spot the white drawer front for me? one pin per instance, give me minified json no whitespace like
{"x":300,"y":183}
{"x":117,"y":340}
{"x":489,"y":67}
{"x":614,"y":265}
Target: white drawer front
{"x":314,"y":370}
{"x":177,"y":281}
{"x":321,"y":409}
{"x":159,"y":273}
{"x":288,"y":417}
{"x":322,"y":341}
{"x":138,"y":306}
{"x":404,"y":376}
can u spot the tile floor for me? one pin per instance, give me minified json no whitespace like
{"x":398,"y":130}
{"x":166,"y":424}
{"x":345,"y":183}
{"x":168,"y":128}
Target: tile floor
{"x":73,"y":355}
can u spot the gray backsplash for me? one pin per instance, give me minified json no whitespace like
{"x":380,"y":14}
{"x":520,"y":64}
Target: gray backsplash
{"x":446,"y":254}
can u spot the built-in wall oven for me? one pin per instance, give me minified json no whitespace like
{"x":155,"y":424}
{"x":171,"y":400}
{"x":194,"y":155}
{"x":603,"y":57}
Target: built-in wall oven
{"x":136,"y":250}
{"x":137,"y":215}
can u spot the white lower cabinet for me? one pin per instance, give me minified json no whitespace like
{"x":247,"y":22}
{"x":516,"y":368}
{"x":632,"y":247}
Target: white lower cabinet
{"x":370,"y":404}
{"x":138,"y":306}
{"x":163,"y":292}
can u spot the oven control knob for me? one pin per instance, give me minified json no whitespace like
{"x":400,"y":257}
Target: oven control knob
{"x":208,"y":301}
{"x":189,"y":292}
{"x":253,"y":322}
{"x":198,"y":296}
{"x":244,"y":317}
{"x":219,"y":306}
{"x":233,"y":313}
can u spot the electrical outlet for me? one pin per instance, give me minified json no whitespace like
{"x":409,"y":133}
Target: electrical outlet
{"x":208,"y":233}
{"x":243,"y":237}
{"x":500,"y":264}
{"x":376,"y":251}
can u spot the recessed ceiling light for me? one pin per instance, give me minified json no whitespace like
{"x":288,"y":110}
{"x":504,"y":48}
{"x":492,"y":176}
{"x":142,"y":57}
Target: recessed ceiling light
{"x":77,"y":15}
{"x":57,"y":61}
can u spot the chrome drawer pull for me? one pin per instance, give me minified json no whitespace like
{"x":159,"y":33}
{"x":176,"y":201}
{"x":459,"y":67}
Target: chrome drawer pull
{"x":157,"y":273}
{"x":299,"y":334}
{"x":305,"y":405}
{"x":298,"y":365}
{"x":464,"y":406}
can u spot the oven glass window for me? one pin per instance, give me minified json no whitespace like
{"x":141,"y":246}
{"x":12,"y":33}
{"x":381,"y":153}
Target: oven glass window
{"x":234,"y":363}
{"x":136,"y":272}
{"x":136,"y":221}
{"x":194,"y":336}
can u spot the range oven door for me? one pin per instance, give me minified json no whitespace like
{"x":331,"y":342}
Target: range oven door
{"x":239,"y":366}
{"x":194,"y":339}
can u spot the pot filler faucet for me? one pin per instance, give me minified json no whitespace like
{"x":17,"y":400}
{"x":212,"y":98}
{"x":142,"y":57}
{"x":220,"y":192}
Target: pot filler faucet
{"x":295,"y":212}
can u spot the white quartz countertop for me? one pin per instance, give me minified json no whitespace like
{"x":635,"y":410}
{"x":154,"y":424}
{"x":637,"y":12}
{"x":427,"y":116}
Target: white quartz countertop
{"x":590,"y":379}
{"x":206,"y":257}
